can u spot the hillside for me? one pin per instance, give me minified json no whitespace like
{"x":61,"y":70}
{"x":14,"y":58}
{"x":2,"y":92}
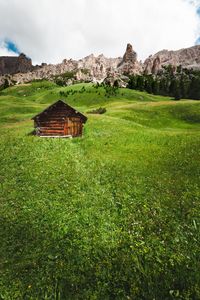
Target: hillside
{"x":111,"y":215}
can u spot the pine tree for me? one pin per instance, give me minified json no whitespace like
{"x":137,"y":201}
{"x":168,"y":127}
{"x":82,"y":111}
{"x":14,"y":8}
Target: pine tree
{"x":140,"y":83}
{"x":156,"y":86}
{"x":195,"y":88}
{"x":148,"y":83}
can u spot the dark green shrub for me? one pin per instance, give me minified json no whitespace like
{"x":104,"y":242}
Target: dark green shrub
{"x":100,"y":111}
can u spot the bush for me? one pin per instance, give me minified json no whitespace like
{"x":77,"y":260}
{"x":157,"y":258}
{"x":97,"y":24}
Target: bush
{"x":63,"y":78}
{"x":5,"y":85}
{"x":100,"y":111}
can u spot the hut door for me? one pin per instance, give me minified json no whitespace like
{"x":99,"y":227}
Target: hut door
{"x":68,"y":127}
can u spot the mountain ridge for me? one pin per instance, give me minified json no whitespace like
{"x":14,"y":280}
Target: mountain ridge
{"x":97,"y":68}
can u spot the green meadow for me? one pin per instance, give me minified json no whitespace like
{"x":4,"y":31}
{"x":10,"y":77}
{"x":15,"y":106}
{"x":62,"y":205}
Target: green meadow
{"x":112,"y":215}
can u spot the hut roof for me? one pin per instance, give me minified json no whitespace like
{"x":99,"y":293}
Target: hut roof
{"x":70,"y":111}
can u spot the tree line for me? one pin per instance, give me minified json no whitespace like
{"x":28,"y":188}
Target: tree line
{"x":179,"y":83}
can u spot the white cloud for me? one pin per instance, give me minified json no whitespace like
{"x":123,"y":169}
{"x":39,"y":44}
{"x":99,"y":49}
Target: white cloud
{"x":4,"y":51}
{"x":50,"y":30}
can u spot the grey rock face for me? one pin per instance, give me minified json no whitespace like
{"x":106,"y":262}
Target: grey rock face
{"x":129,"y":63}
{"x":98,"y":66}
{"x":14,"y":64}
{"x":188,"y":58}
{"x":130,"y":55}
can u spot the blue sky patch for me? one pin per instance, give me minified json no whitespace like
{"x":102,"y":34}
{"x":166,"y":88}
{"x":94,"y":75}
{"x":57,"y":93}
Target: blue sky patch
{"x":197,"y":41}
{"x":11,"y":46}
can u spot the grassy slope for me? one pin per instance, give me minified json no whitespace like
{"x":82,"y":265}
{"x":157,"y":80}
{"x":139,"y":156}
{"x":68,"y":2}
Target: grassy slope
{"x":112,"y":215}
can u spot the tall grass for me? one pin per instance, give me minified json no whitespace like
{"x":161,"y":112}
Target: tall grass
{"x":112,"y":215}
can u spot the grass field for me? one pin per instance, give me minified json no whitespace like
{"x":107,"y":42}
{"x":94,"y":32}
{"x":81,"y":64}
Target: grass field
{"x":112,"y":215}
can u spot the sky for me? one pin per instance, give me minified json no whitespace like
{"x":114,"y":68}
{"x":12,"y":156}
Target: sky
{"x":51,"y":30}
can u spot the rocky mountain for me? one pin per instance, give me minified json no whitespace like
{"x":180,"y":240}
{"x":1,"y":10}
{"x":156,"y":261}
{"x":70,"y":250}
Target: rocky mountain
{"x":129,"y":64}
{"x":14,"y":64}
{"x":98,"y":67}
{"x":16,"y":70}
{"x":90,"y":68}
{"x":188,"y":58}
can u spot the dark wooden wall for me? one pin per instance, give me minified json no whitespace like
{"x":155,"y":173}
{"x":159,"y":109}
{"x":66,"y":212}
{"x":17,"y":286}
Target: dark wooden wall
{"x":59,"y":126}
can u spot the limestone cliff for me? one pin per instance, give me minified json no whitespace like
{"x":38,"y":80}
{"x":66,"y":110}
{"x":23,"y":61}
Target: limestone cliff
{"x":15,"y":64}
{"x":90,"y":68}
{"x":93,"y":69}
{"x":188,"y":58}
{"x":129,"y":63}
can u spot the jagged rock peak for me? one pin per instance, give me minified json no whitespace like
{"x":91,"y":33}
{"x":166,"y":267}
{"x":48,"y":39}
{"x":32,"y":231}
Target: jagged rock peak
{"x":130,"y":55}
{"x":129,"y":63}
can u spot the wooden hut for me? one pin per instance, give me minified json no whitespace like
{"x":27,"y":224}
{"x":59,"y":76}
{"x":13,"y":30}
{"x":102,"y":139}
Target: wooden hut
{"x":59,"y":120}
